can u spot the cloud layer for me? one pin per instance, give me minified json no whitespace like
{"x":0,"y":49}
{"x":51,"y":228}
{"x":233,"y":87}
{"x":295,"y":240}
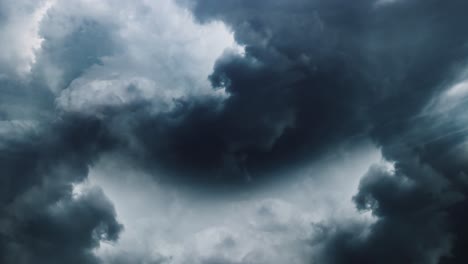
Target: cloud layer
{"x":225,"y":97}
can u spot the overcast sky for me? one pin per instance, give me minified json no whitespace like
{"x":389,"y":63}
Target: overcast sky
{"x":233,"y":131}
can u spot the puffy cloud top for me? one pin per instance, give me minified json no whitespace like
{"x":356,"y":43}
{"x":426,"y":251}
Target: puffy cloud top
{"x":226,"y":97}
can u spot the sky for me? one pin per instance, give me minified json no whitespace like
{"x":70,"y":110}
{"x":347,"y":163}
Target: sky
{"x":233,"y":132}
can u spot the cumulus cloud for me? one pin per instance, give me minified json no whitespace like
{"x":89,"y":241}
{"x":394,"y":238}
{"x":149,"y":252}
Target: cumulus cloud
{"x":127,"y":52}
{"x":215,"y":99}
{"x":67,"y":61}
{"x":20,"y":24}
{"x":284,"y":222}
{"x":41,"y":220}
{"x":400,"y":57}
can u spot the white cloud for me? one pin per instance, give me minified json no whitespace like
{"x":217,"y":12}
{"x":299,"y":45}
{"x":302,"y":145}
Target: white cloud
{"x":281,"y":223}
{"x":94,"y":54}
{"x":19,"y":34}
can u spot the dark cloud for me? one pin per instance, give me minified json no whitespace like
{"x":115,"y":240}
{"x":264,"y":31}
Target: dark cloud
{"x":315,"y":74}
{"x":43,"y":154}
{"x":343,"y":67}
{"x":58,"y":229}
{"x":41,"y":220}
{"x":284,"y":105}
{"x":417,"y":204}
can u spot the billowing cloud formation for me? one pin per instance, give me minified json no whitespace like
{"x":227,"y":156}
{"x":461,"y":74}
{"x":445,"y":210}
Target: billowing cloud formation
{"x":227,"y":95}
{"x":42,"y":220}
{"x":277,"y":223}
{"x":19,"y":27}
{"x":62,"y":65}
{"x":151,"y":52}
{"x":407,"y":51}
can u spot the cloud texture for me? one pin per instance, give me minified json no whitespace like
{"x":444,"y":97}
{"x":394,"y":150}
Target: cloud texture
{"x":222,"y":98}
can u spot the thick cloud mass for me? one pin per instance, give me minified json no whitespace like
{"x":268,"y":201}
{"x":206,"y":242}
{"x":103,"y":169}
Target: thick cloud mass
{"x":42,"y":220}
{"x":313,"y":74}
{"x":392,"y":58}
{"x":214,"y":96}
{"x":376,"y":65}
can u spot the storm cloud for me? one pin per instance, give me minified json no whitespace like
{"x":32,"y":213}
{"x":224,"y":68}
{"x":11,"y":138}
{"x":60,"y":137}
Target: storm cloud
{"x":43,"y":220}
{"x":221,"y":100}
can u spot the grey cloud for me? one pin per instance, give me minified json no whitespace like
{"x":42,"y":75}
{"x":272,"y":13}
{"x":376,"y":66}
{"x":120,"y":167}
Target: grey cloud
{"x":41,"y":220}
{"x":314,"y":75}
{"x":286,"y":223}
{"x":388,"y":63}
{"x":41,"y":229}
{"x":46,"y":148}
